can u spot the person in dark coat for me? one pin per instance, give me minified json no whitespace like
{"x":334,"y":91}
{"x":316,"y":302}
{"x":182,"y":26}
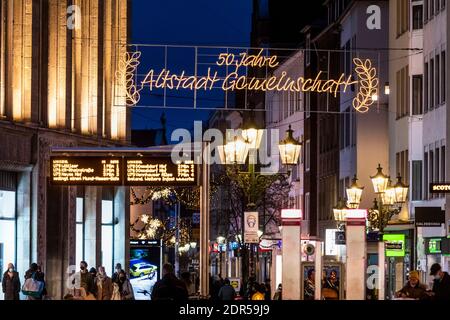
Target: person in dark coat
{"x":441,"y":284}
{"x":169,"y":287}
{"x":413,"y":288}
{"x":11,"y":283}
{"x":227,"y":292}
{"x":115,"y":276}
{"x":38,"y":275}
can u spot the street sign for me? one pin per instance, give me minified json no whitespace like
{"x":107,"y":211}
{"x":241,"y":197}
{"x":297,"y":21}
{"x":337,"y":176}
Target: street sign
{"x":429,"y":216}
{"x":236,"y":284}
{"x":251,"y":223}
{"x":443,"y":187}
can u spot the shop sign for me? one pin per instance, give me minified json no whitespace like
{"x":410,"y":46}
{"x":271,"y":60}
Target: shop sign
{"x":394,"y":245}
{"x":236,"y":284}
{"x":429,"y":216}
{"x":443,"y":187}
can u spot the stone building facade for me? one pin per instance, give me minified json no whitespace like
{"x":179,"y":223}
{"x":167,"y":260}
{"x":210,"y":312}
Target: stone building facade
{"x":58,"y":87}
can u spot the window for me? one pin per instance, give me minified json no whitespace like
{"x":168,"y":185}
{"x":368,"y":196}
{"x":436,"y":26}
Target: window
{"x":79,"y":233}
{"x":431,"y":169}
{"x":417,"y":12}
{"x":307,"y":103}
{"x":308,"y":50}
{"x":436,"y":81}
{"x":425,"y":87}
{"x":436,"y":165}
{"x":402,"y":16}
{"x":7,"y":229}
{"x":342,"y":130}
{"x":443,"y":76}
{"x":306,"y":211}
{"x":431,"y":9}
{"x":443,"y":163}
{"x":425,"y":15}
{"x":416,"y":192}
{"x":307,"y":155}
{"x":353,"y":139}
{"x":107,"y":235}
{"x":347,"y":127}
{"x":431,"y":84}
{"x":417,"y":94}
{"x":402,"y":82}
{"x":425,"y":175}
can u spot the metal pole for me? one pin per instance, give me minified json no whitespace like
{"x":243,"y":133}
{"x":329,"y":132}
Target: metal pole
{"x":204,"y":225}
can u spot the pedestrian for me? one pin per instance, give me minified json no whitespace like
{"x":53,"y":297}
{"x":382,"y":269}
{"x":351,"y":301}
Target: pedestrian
{"x":125,"y":288}
{"x":278,"y":293}
{"x":169,"y":287}
{"x":259,"y":292}
{"x":86,"y":279}
{"x":413,"y":289}
{"x":36,"y":274}
{"x":103,"y":284}
{"x":93,"y":273}
{"x":186,"y":278}
{"x":227,"y":292}
{"x":268,"y":290}
{"x":441,"y":283}
{"x":11,"y":283}
{"x":309,"y":286}
{"x":115,"y":276}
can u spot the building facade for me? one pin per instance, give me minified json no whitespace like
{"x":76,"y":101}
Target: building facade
{"x":58,"y":89}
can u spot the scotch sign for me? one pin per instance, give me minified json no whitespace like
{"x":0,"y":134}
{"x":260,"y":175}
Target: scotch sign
{"x":139,"y":171}
{"x":443,"y":187}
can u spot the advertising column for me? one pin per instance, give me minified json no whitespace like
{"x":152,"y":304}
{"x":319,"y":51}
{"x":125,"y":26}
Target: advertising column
{"x":291,"y":221}
{"x":356,"y":254}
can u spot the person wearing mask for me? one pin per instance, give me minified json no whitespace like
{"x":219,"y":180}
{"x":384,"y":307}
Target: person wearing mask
{"x":125,"y":288}
{"x":86,"y":279}
{"x":11,"y":283}
{"x":227,"y":292}
{"x":35,"y":273}
{"x":115,"y":276}
{"x":413,"y":288}
{"x":103,"y":284}
{"x":169,"y":287}
{"x":441,"y":283}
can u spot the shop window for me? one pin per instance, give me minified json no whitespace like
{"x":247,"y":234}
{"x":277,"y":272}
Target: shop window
{"x":79,"y":251}
{"x":107,"y":235}
{"x":8,"y":230}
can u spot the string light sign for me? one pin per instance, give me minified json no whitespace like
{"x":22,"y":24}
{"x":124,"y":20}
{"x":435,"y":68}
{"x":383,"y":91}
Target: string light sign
{"x":234,"y":80}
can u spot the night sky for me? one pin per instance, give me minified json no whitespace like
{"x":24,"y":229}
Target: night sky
{"x":181,"y":22}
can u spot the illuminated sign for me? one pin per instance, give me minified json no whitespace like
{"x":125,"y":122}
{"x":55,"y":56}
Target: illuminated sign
{"x":437,"y":245}
{"x":394,"y":245}
{"x":142,"y":171}
{"x":234,"y":81}
{"x":440,"y":187}
{"x":160,"y":172}
{"x":86,"y":171}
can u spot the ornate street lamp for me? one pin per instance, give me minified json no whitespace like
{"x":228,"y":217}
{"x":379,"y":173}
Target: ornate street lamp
{"x":251,"y":134}
{"x":380,"y":180}
{"x":289,"y":148}
{"x":354,"y":194}
{"x":340,"y":212}
{"x":388,"y":196}
{"x":401,"y":190}
{"x":234,"y":152}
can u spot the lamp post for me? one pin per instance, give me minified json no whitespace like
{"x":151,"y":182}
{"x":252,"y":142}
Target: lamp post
{"x":235,"y":152}
{"x":389,"y":202}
